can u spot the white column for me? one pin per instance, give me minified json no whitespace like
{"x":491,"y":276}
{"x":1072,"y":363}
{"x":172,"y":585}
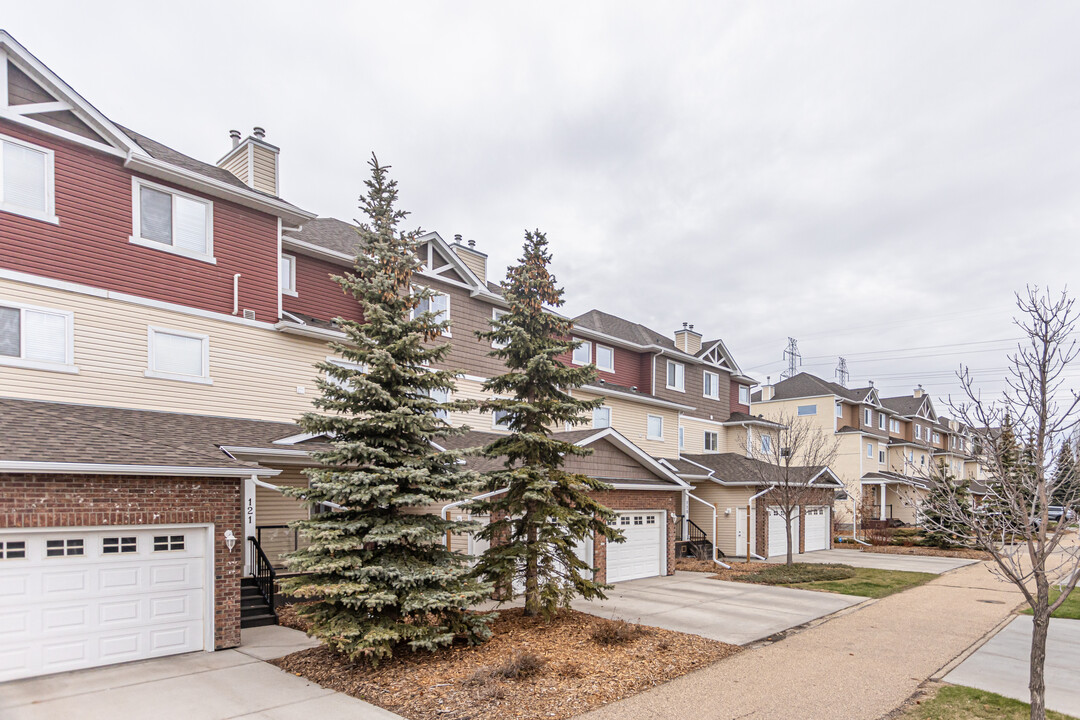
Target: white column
{"x":249,"y":522}
{"x":685,"y":530}
{"x":883,"y":517}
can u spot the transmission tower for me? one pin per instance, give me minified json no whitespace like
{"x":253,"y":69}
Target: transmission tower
{"x":841,"y":371}
{"x":793,"y":359}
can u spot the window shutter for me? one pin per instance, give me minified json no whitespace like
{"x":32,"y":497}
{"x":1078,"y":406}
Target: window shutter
{"x":24,"y":177}
{"x":46,"y":336}
{"x":9,"y":332}
{"x":190,"y":225}
{"x":155,"y":215}
{"x":178,"y":355}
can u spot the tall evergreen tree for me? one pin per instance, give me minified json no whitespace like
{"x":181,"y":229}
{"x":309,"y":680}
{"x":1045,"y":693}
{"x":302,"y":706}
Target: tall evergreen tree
{"x":942,"y":530}
{"x":1066,"y":475}
{"x":381,"y":577}
{"x":545,"y":511}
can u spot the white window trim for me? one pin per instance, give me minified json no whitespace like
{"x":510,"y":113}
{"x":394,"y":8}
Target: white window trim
{"x":881,"y":420}
{"x":495,"y":312}
{"x":667,"y":373}
{"x":610,"y":417}
{"x":416,"y":310}
{"x":598,"y":365}
{"x":743,"y":389}
{"x":291,"y":290}
{"x":584,"y":344}
{"x":715,"y":383}
{"x":150,"y":372}
{"x":68,"y":366}
{"x":137,"y":239}
{"x":647,"y":423}
{"x":766,"y":444}
{"x":868,"y":417}
{"x":705,"y":441}
{"x":49,"y":215}
{"x":799,"y":408}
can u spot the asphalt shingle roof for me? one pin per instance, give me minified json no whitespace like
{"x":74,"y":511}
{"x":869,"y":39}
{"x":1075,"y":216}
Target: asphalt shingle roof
{"x":733,"y":467}
{"x":807,"y":385}
{"x":329,"y":233}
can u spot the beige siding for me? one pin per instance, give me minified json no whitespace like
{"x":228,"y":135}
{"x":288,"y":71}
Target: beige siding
{"x":274,"y":508}
{"x":238,"y":166}
{"x":723,"y":498}
{"x":629,"y":418}
{"x":255,"y":371}
{"x":694,"y":435}
{"x":265,"y":170}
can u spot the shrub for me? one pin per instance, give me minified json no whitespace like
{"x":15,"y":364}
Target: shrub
{"x":519,"y":665}
{"x":800,"y":573}
{"x":616,"y":632}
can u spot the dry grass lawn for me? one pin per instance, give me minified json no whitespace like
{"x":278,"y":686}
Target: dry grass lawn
{"x":964,"y":553}
{"x":529,"y":669}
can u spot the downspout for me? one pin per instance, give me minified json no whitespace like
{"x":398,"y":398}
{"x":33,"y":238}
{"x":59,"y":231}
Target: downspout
{"x":268,"y":486}
{"x":714,"y":523}
{"x":236,"y":294}
{"x":749,"y":524}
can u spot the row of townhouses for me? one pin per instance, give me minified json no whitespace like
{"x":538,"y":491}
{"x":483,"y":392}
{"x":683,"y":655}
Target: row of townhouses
{"x":160,"y":320}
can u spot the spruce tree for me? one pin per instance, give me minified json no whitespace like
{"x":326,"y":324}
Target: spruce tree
{"x":941,"y":529}
{"x":380,"y":577}
{"x":545,"y":511}
{"x":1066,"y":477}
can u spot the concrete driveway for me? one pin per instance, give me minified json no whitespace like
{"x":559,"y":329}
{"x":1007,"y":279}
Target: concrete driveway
{"x":1001,"y":665}
{"x":737,"y":613}
{"x":881,"y":561}
{"x":233,"y":684}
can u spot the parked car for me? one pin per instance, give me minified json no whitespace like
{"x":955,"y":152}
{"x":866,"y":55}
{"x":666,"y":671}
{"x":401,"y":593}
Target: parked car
{"x":1057,"y":512}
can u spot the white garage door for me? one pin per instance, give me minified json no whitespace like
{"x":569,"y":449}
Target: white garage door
{"x":817,"y":528}
{"x":641,"y":554}
{"x":778,"y":532}
{"x":77,"y":598}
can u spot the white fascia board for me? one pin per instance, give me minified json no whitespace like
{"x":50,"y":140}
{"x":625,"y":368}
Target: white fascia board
{"x":663,"y":488}
{"x":643,"y":457}
{"x":20,"y":466}
{"x":240,"y":195}
{"x":306,"y":248}
{"x":756,"y":421}
{"x":82,"y":109}
{"x":292,"y":328}
{"x":647,"y":399}
{"x":298,"y":438}
{"x":235,"y":450}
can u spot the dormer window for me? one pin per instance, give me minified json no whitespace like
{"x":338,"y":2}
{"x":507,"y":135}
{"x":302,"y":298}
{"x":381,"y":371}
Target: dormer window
{"x":170,"y":220}
{"x":26,"y":182}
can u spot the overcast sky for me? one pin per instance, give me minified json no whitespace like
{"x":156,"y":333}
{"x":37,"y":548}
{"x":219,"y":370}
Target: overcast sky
{"x":873,"y":179}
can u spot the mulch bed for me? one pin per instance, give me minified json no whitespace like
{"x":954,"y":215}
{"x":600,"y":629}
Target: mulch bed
{"x":695,"y":565}
{"x":563,"y":668}
{"x":964,"y":553}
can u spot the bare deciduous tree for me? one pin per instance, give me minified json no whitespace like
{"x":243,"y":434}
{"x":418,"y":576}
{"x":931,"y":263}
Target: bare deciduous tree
{"x":790,"y":458}
{"x":1018,"y":438}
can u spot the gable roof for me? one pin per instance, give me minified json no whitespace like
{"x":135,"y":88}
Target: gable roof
{"x":139,"y":152}
{"x":736,"y":469}
{"x":807,"y":385}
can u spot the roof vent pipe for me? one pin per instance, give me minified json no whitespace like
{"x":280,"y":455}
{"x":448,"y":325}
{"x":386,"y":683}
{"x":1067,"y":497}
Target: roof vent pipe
{"x":234,"y":135}
{"x":258,"y":132}
{"x":457,"y":238}
{"x":472,"y":243}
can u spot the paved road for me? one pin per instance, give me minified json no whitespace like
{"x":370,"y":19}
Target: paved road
{"x":1001,"y":665}
{"x":737,"y":613}
{"x":233,"y":684}
{"x":882,"y":561}
{"x":858,"y":665}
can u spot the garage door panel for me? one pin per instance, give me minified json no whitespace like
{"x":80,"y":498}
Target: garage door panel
{"x":129,"y":595}
{"x":639,"y":555}
{"x":778,"y":533}
{"x":817,"y":528}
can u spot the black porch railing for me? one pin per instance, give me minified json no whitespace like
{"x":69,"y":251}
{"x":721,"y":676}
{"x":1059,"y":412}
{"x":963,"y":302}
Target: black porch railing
{"x":696,"y":540}
{"x":263,"y":572}
{"x":277,"y":541}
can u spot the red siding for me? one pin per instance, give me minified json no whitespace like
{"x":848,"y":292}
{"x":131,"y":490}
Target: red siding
{"x":90,"y":245}
{"x":631,"y":369}
{"x":736,"y":406}
{"x":317,"y":295}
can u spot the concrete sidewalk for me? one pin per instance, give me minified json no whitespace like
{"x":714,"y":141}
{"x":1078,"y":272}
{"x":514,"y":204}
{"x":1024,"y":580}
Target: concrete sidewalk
{"x":732,"y":612}
{"x":881,"y":561}
{"x":225,"y":685}
{"x":862,"y":664}
{"x":1001,"y":665}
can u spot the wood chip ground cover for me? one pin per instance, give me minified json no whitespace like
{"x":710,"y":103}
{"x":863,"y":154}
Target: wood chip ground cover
{"x":578,"y":673}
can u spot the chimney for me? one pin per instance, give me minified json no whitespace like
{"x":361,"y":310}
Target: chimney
{"x":768,"y":391}
{"x":919,"y":392}
{"x":473,"y":258}
{"x":687,"y":340}
{"x":253,"y":160}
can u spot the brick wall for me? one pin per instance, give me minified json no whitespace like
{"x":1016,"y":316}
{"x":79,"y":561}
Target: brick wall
{"x":40,"y":501}
{"x":818,"y":497}
{"x":637,"y":500}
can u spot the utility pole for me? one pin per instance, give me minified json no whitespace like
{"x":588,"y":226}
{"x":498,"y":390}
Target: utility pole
{"x":793,"y":359}
{"x":841,"y":371}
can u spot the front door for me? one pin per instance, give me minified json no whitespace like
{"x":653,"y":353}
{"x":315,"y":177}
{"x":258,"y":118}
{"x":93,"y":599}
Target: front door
{"x":740,"y":531}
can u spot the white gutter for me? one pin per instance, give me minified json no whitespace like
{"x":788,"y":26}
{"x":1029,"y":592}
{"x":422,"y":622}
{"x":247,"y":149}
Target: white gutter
{"x":275,"y":452}
{"x":293,"y":328}
{"x":277,"y":488}
{"x":647,"y":399}
{"x":241,"y":196}
{"x":21,"y":466}
{"x":444,"y":515}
